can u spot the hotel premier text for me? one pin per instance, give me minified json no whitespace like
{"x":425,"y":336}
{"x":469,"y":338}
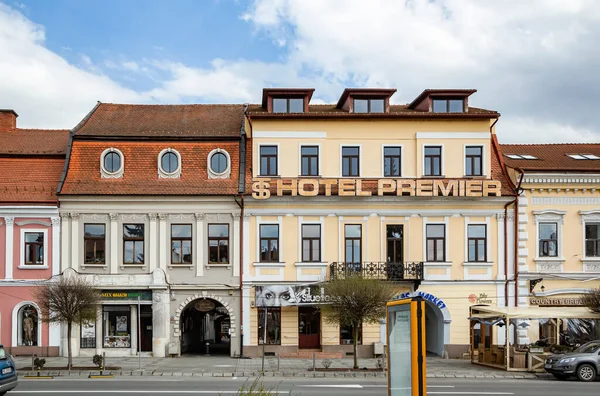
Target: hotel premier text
{"x":399,"y":187}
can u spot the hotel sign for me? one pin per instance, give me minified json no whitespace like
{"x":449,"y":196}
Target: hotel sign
{"x":261,"y":187}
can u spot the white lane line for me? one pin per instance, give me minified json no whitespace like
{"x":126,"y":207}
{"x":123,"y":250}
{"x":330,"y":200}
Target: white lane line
{"x":145,"y":392}
{"x":331,"y":386}
{"x":469,"y":393}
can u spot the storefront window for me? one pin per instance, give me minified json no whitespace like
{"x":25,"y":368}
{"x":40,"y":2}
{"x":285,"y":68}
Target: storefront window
{"x":346,"y":335}
{"x":273,"y":326}
{"x":548,"y":331}
{"x":579,"y":331}
{"x":116,"y":323}
{"x":88,"y":335}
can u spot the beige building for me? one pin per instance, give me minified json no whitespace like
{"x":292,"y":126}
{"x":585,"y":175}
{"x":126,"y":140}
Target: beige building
{"x":415,"y":194}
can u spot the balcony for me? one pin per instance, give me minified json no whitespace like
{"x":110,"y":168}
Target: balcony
{"x":394,"y":272}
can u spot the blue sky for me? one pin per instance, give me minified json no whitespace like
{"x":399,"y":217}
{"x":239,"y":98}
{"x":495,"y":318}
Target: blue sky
{"x":533,"y":61}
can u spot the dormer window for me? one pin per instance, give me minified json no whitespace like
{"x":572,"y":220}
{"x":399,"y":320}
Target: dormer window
{"x":445,"y":105}
{"x":288,"y":105}
{"x":369,"y":105}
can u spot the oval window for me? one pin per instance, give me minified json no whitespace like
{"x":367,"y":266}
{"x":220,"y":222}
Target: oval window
{"x":169,"y":162}
{"x":218,"y":163}
{"x":112,"y":162}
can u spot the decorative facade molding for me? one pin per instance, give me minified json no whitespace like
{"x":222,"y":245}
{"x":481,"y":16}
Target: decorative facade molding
{"x":55,"y":221}
{"x":541,"y":178}
{"x":199,"y":216}
{"x":163,"y":216}
{"x":181,"y":216}
{"x":549,"y":266}
{"x":153,"y":216}
{"x":565,"y":200}
{"x":33,"y":222}
{"x":591,"y":266}
{"x":9,"y":221}
{"x":134,"y":217}
{"x":113,"y":216}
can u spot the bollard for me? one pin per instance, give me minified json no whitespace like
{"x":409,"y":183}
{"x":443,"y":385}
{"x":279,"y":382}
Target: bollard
{"x":314,"y":362}
{"x":207,"y":349}
{"x":278,"y":361}
{"x":32,"y":360}
{"x":103,"y":362}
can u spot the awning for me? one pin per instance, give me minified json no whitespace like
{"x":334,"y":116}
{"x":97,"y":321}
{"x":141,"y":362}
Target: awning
{"x":482,"y":312}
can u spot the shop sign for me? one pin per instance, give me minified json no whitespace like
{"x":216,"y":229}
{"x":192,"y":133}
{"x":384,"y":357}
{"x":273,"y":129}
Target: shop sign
{"x":426,"y":296}
{"x":401,"y":187}
{"x":284,"y":295}
{"x":557,"y":302}
{"x":126,"y":295}
{"x":482,"y":298}
{"x":204,"y":306}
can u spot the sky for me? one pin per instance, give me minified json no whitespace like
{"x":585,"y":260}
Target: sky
{"x":536,"y":62}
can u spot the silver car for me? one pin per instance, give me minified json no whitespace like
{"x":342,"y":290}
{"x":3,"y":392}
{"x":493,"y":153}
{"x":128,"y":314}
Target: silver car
{"x":583,"y":362}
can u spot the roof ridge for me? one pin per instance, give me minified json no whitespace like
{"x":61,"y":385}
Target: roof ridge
{"x":170,"y":104}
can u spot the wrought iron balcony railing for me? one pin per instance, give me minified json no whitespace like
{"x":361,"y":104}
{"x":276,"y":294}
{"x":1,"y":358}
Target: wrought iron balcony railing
{"x":394,"y":272}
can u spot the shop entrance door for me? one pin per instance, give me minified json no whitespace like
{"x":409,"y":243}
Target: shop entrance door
{"x":146,"y":328}
{"x":309,"y":327}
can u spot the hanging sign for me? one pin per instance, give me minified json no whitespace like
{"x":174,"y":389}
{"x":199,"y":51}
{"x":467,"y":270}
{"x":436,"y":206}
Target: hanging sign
{"x":204,"y":306}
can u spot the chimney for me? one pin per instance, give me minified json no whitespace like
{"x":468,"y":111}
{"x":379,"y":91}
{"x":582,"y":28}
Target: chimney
{"x":8,"y":119}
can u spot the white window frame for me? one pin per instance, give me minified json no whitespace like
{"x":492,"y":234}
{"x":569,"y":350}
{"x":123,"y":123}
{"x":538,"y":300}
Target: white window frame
{"x":426,"y":222}
{"x":383,"y":147}
{"x":164,"y":174}
{"x":15,"y":323}
{"x":360,"y":161}
{"x":588,"y":216}
{"x":486,"y":223}
{"x":218,"y":175}
{"x":549,"y":216}
{"x":442,"y":168}
{"x":445,"y":265}
{"x":318,"y":145}
{"x":104,"y":173}
{"x":258,"y":170}
{"x":320,"y":222}
{"x":22,"y":264}
{"x":483,"y":160}
{"x":259,"y":222}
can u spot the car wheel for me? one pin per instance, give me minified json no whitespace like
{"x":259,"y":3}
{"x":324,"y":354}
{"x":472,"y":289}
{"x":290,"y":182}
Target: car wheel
{"x":586,"y":372}
{"x":561,"y":377}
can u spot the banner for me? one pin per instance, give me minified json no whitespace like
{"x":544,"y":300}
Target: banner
{"x":289,"y":295}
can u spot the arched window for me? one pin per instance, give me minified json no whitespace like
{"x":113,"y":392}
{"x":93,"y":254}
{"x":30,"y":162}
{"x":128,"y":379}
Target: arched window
{"x":27,"y":326}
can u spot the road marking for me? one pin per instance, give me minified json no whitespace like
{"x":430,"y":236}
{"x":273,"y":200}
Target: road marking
{"x":428,"y":386}
{"x":469,"y":393}
{"x":145,"y":392}
{"x":332,"y":386}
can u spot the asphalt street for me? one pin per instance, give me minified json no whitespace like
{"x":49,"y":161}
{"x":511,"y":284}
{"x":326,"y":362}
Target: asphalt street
{"x":297,"y":386}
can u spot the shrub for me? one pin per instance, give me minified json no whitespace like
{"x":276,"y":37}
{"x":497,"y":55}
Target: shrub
{"x":38,"y":364}
{"x":380,"y":363}
{"x":97,"y":360}
{"x":326,"y":363}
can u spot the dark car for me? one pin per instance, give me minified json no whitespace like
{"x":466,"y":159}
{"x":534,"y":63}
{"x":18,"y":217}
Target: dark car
{"x":8,"y":372}
{"x":583,"y":362}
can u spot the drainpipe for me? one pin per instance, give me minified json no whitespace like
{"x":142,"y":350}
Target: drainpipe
{"x":506,"y":250}
{"x":516,"y":225}
{"x":241,"y":205}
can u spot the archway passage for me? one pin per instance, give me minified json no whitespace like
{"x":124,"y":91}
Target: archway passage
{"x":434,"y":330}
{"x":203,"y":321}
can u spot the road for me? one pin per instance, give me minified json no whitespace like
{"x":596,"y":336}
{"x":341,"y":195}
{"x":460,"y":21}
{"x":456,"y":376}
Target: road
{"x":296,"y":387}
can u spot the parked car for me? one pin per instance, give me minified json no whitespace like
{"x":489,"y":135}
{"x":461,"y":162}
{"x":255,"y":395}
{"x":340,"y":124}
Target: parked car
{"x":583,"y":362}
{"x":8,"y":372}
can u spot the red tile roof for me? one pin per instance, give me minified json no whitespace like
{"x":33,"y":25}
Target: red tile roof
{"x":552,"y":157}
{"x":34,"y":141}
{"x":141,"y":169}
{"x":182,"y":121}
{"x":29,"y":180}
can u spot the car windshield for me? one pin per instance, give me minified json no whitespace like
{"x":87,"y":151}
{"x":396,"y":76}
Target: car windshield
{"x":3,"y":354}
{"x":588,"y":348}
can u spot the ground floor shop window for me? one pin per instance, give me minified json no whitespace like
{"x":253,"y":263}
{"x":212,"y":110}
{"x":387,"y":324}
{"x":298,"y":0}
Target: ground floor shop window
{"x":579,"y":331}
{"x":116,"y":324}
{"x":548,"y":331}
{"x":273,"y":326}
{"x":88,"y":335}
{"x":27,"y":321}
{"x":346,"y":335}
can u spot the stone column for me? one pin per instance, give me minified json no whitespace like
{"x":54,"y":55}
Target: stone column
{"x":134,"y":329}
{"x":161,"y":322}
{"x":99,"y":332}
{"x":163,"y":242}
{"x":199,"y":244}
{"x":76,"y":239}
{"x":9,"y":221}
{"x":152,"y":241}
{"x":114,"y":243}
{"x":55,"y":245}
{"x":236,"y":245}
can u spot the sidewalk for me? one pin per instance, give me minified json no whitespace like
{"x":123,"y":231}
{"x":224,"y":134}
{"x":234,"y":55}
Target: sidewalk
{"x":223,"y":366}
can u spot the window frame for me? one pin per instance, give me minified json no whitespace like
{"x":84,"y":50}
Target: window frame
{"x":181,"y":239}
{"x":162,"y":173}
{"x":447,"y":100}
{"x":360,"y":246}
{"x":596,"y":240}
{"x":368,"y":99}
{"x":435,"y":239}
{"x":360,"y":334}
{"x":105,"y":173}
{"x":25,"y":244}
{"x":287,"y":104}
{"x":134,"y":240}
{"x":400,"y":157}
{"x":312,"y":241}
{"x":477,"y":239}
{"x":219,"y":238}
{"x":310,"y":156}
{"x":472,"y":158}
{"x":388,"y":239}
{"x":268,"y":239}
{"x":85,"y":239}
{"x":359,"y":162}
{"x":540,"y":241}
{"x":427,"y":157}
{"x":260,"y":156}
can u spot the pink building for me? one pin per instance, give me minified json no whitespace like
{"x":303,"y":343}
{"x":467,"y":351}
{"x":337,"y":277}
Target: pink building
{"x":31,"y":164}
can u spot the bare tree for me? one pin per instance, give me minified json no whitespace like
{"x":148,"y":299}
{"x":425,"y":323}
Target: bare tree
{"x":67,"y":300}
{"x":356,"y":300}
{"x":592,"y":300}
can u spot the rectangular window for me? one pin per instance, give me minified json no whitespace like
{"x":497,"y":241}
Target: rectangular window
{"x":273,"y":326}
{"x":369,"y":105}
{"x":133,"y":243}
{"x":288,"y":105}
{"x":353,"y":246}
{"x":181,"y":244}
{"x":392,"y":157}
{"x":395,"y":245}
{"x":309,"y":158}
{"x":474,"y":161}
{"x":347,"y":335}
{"x":269,"y":243}
{"x":116,"y":325}
{"x":218,"y":243}
{"x":592,"y":240}
{"x":350,"y":161}
{"x":436,"y":242}
{"x":88,"y":335}
{"x":268,"y":160}
{"x":448,"y":106}
{"x":34,"y":248}
{"x":94,"y":240}
{"x":433,"y":161}
{"x":548,"y":240}
{"x":476,"y":240}
{"x":311,"y":243}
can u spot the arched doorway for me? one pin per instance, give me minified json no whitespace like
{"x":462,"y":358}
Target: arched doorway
{"x":203,"y":321}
